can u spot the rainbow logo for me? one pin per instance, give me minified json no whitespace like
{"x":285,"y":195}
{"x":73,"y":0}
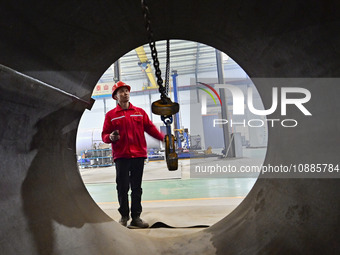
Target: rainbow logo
{"x":209,"y":93}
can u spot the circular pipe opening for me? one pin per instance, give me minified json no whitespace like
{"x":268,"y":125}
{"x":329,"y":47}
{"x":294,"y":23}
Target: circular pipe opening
{"x":221,"y":174}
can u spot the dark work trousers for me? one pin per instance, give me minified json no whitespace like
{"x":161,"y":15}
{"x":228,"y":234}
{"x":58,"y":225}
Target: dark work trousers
{"x":129,"y":173}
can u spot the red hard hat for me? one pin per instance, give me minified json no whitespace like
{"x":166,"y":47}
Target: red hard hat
{"x":117,"y":86}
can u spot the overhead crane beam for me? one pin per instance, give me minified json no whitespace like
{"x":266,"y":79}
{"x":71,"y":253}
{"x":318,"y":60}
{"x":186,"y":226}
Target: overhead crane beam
{"x":148,"y":70}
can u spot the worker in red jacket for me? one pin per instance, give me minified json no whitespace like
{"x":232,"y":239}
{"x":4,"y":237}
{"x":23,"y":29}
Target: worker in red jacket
{"x":124,"y":128}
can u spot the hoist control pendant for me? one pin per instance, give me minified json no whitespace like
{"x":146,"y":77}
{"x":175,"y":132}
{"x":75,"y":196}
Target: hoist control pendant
{"x":164,"y":109}
{"x":170,"y":154}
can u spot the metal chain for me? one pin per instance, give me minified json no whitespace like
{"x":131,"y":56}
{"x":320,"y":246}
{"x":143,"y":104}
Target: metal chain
{"x":167,"y":71}
{"x":152,"y":44}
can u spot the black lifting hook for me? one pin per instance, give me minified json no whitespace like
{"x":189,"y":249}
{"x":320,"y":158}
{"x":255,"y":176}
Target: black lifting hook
{"x":170,"y":152}
{"x":166,"y":111}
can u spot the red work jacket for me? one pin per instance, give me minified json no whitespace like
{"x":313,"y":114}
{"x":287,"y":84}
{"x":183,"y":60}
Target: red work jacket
{"x":131,"y":124}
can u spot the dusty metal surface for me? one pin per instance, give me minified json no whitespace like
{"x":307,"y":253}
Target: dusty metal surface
{"x":45,"y":208}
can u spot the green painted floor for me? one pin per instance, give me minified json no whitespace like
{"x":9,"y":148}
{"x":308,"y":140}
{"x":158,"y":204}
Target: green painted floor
{"x":178,"y":189}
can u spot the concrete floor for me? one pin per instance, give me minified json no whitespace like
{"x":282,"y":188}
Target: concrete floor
{"x":172,"y":197}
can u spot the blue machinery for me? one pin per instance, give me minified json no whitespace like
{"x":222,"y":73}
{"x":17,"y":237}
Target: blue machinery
{"x":177,"y":123}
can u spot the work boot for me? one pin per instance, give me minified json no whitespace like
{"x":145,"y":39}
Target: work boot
{"x":123,"y":220}
{"x":138,"y":223}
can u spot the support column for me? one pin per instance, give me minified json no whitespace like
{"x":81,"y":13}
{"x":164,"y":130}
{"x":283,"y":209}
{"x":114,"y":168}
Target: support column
{"x":228,"y":148}
{"x":104,"y":101}
{"x":116,"y":69}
